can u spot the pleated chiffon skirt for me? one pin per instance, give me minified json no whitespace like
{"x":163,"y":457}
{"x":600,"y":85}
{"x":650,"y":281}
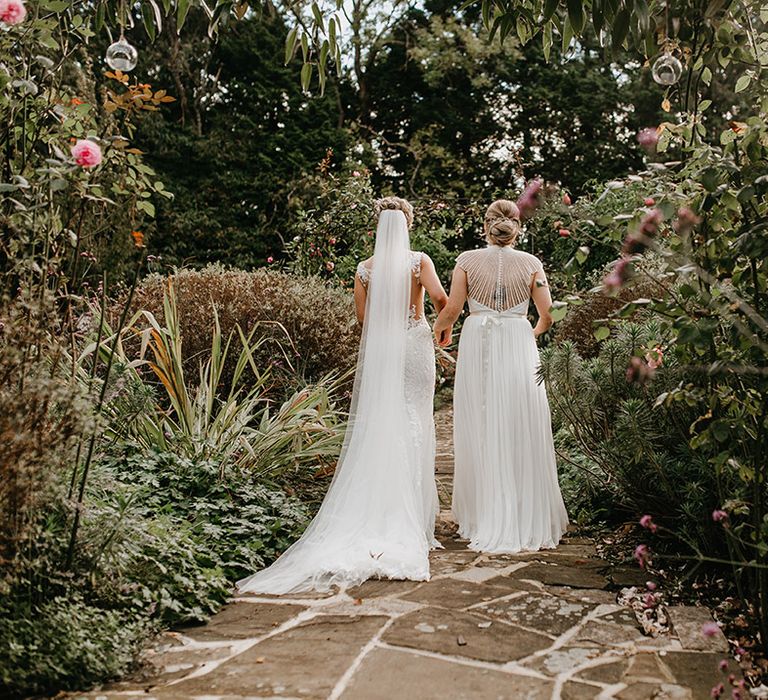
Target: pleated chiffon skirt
{"x":506,"y":495}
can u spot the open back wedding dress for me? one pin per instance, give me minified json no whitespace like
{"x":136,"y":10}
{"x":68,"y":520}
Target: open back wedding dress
{"x":377,"y":518}
{"x":506,"y":497}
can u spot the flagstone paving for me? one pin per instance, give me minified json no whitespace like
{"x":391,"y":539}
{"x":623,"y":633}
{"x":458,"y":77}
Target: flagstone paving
{"x":530,"y":625}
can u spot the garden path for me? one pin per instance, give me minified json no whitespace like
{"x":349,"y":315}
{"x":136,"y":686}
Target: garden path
{"x":534,"y":625}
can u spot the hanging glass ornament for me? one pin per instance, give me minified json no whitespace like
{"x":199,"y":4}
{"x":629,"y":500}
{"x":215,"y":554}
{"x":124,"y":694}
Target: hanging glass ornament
{"x":666,"y":69}
{"x":122,"y":56}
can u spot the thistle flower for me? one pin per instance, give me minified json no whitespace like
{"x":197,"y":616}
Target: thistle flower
{"x":86,"y":153}
{"x":642,"y":555}
{"x":647,"y":522}
{"x":686,"y":220}
{"x":618,"y":275}
{"x":529,"y":199}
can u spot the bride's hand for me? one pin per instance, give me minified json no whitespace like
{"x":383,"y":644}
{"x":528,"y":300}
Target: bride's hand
{"x":443,"y":335}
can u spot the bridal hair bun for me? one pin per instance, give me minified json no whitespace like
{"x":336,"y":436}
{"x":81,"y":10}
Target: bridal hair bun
{"x":502,"y":222}
{"x":397,"y":204}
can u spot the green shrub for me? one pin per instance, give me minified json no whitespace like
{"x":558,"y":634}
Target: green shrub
{"x":632,"y":454}
{"x":65,"y":643}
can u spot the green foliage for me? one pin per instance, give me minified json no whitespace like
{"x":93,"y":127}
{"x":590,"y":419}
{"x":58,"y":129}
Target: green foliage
{"x":337,"y":233}
{"x":636,"y":458}
{"x":231,"y":147}
{"x":65,"y":643}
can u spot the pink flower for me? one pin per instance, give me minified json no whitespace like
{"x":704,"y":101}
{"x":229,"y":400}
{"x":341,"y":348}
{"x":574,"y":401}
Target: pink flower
{"x":650,"y":585}
{"x":617,"y":276}
{"x":649,"y":201}
{"x":564,"y":233}
{"x":642,"y":555}
{"x":12,"y":11}
{"x":655,"y":358}
{"x":270,"y":259}
{"x":648,"y":138}
{"x":709,"y":629}
{"x":332,"y":241}
{"x":686,"y":220}
{"x":639,"y":372}
{"x":87,"y":154}
{"x":649,"y":600}
{"x":529,"y":199}
{"x":719,"y":516}
{"x":723,"y":665}
{"x":736,"y":694}
{"x":355,"y":173}
{"x":330,"y":265}
{"x":566,"y":199}
{"x":647,"y":522}
{"x":717,"y":690}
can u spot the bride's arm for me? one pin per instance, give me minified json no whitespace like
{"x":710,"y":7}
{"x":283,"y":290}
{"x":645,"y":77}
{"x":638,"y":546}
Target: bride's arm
{"x":452,"y":309}
{"x":431,"y":282}
{"x":543,"y":300}
{"x":360,"y":294}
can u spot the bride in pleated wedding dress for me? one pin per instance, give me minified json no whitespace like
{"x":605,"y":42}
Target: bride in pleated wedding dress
{"x":378,"y":516}
{"x":506,"y":496}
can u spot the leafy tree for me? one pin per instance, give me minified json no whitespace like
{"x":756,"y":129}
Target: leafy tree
{"x":241,"y":133}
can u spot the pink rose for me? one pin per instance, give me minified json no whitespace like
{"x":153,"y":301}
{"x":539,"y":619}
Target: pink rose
{"x":12,"y":11}
{"x":87,"y":154}
{"x":648,"y":138}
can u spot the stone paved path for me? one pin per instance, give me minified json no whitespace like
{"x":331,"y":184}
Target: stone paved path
{"x":532,"y":625}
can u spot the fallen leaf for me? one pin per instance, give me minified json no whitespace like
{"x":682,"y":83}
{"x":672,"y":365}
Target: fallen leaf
{"x":461,"y":641}
{"x":358,"y":601}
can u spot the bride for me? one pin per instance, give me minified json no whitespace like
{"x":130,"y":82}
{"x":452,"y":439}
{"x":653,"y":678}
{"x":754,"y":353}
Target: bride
{"x":378,"y":516}
{"x":505,"y":496}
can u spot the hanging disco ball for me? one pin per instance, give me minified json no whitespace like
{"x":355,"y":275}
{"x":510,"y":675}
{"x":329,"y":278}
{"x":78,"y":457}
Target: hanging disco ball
{"x":666,"y":69}
{"x":122,"y":56}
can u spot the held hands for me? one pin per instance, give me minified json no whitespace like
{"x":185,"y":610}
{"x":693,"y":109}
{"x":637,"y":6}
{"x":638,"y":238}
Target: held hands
{"x":443,"y":334}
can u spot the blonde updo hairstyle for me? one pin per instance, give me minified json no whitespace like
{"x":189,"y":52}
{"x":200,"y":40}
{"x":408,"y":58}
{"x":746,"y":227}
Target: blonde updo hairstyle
{"x":397,"y":204}
{"x":502,"y":223}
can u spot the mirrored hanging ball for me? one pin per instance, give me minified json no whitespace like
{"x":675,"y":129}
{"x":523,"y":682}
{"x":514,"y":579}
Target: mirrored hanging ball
{"x":122,"y":56}
{"x":666,"y":69}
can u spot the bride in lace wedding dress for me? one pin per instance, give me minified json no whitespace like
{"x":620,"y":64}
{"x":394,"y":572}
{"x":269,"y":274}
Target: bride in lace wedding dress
{"x":377,"y":519}
{"x":505,"y":495}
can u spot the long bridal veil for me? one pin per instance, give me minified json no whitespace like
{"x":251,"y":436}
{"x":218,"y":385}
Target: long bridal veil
{"x":371,"y":522}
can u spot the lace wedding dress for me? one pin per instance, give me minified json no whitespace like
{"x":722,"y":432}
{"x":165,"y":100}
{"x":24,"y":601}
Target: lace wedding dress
{"x":506,"y":496}
{"x":377,"y":519}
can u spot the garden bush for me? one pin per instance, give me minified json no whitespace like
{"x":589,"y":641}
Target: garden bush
{"x":631,"y":456}
{"x":310,"y":326}
{"x":65,"y":643}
